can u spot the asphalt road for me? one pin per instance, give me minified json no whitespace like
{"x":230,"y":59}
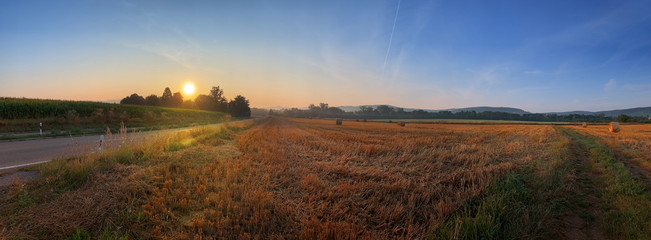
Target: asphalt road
{"x":16,"y":154}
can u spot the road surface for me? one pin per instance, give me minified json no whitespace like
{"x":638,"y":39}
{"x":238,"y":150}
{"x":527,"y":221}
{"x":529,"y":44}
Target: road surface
{"x":16,"y":154}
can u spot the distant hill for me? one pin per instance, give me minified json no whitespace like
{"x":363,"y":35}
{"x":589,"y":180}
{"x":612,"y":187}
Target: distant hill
{"x":634,"y":112}
{"x":487,"y":109}
{"x":356,"y":108}
{"x":476,"y":109}
{"x":280,"y":108}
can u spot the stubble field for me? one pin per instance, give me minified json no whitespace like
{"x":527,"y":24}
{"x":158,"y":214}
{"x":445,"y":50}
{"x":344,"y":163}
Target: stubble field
{"x":311,"y":179}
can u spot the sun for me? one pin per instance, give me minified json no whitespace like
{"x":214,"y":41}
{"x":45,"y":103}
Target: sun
{"x":188,"y":88}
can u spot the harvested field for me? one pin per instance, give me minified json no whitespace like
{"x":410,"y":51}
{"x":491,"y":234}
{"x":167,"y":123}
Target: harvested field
{"x":381,"y":180}
{"x":311,"y":179}
{"x":633,"y":142}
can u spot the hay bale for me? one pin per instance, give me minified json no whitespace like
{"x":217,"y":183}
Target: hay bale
{"x":364,"y":120}
{"x":401,"y":123}
{"x":613,"y":127}
{"x":584,"y":124}
{"x":390,"y":121}
{"x":356,"y":120}
{"x":339,"y":120}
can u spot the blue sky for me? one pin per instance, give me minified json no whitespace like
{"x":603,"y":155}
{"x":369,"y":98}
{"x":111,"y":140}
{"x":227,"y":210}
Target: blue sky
{"x":536,"y":55}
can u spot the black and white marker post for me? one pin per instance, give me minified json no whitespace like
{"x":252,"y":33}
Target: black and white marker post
{"x":40,"y":128}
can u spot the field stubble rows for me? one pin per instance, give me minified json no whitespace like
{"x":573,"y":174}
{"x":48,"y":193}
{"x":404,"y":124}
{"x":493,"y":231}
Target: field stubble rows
{"x":283,"y":178}
{"x":379,"y":180}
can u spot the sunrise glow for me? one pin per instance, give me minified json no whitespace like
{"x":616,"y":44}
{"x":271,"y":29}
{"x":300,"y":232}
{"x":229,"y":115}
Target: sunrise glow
{"x":188,"y":88}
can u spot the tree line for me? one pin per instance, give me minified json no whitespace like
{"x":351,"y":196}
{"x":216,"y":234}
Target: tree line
{"x":386,"y":112}
{"x":214,"y":101}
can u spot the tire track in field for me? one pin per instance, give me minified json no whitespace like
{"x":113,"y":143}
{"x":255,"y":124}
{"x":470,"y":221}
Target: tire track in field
{"x":586,"y":220}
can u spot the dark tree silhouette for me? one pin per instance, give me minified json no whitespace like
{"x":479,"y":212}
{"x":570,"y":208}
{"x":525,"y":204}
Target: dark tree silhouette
{"x":217,"y":94}
{"x":177,"y":99}
{"x":239,"y":107}
{"x":205,"y":102}
{"x":166,"y":98}
{"x":219,"y":101}
{"x":134,"y":99}
{"x":215,"y":101}
{"x":152,"y":100}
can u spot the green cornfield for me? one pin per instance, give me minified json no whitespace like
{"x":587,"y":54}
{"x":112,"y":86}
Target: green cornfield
{"x":24,"y":108}
{"x":22,"y":114}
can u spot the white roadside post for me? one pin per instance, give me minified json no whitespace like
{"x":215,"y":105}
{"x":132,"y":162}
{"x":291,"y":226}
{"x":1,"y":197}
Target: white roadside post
{"x":40,"y":128}
{"x":101,"y":139}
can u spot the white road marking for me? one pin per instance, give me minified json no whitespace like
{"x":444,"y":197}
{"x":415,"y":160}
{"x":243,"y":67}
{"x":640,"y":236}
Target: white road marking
{"x":21,"y":165}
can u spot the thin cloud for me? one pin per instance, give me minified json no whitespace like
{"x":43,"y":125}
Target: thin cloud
{"x":610,"y":85}
{"x":395,"y":19}
{"x":181,"y":57}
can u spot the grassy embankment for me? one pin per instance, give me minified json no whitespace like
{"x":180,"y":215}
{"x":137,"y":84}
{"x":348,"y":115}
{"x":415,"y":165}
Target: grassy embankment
{"x":20,"y":118}
{"x":112,"y":193}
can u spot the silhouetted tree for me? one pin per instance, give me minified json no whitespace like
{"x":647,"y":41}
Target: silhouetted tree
{"x":126,"y":100}
{"x":152,"y":100}
{"x":189,"y":104}
{"x":239,"y":107}
{"x":217,"y":94}
{"x":205,"y":102}
{"x":220,"y":103}
{"x":177,"y":99}
{"x":134,"y":99}
{"x":166,"y":98}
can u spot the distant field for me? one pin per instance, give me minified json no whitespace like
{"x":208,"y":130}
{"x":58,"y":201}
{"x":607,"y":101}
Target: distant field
{"x":462,"y":121}
{"x":75,"y":117}
{"x":283,"y":178}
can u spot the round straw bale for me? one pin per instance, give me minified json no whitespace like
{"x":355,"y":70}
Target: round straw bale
{"x":401,"y":123}
{"x":613,"y":127}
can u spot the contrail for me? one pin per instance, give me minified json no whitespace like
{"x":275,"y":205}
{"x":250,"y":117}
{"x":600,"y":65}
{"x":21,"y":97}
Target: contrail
{"x":395,"y":19}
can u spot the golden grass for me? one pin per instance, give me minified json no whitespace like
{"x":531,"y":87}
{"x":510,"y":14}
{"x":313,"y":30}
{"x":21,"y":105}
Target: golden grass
{"x":285,"y":178}
{"x":378,"y":180}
